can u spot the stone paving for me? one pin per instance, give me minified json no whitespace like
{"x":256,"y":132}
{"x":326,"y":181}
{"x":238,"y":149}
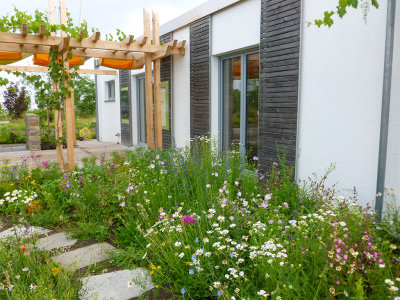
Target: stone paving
{"x":118,"y":285}
{"x":84,"y":149}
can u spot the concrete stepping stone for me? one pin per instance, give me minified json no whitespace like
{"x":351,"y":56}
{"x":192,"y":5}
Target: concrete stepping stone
{"x":83,"y":257}
{"x":54,"y":241}
{"x":23,"y":231}
{"x":114,"y":285}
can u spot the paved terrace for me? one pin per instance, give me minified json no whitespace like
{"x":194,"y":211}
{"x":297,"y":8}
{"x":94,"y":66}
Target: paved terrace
{"x":84,"y":149}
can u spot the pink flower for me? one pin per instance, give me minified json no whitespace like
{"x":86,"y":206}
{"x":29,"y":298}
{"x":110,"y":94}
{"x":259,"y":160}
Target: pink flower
{"x":345,"y":256}
{"x":245,"y":203}
{"x":286,"y":205}
{"x":271,"y":221}
{"x":268,"y":197}
{"x":264,"y":205}
{"x":255,"y":158}
{"x":188,"y":220}
{"x":45,"y":164}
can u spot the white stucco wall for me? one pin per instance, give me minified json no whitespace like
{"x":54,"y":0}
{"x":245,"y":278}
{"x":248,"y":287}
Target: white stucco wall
{"x":340,"y":99}
{"x":236,"y":27}
{"x":181,"y":91}
{"x":108,"y":112}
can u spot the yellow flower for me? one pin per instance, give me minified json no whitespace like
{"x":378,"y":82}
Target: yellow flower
{"x":152,"y":266}
{"x":158,"y":267}
{"x":55,"y":270}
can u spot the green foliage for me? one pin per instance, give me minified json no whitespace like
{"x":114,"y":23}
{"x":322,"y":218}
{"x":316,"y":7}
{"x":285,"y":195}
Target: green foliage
{"x":208,"y":222}
{"x":85,"y":96}
{"x":16,"y":100}
{"x":341,"y":10}
{"x":28,"y":273}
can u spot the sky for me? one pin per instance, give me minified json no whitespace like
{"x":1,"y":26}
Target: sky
{"x":108,"y":15}
{"x":105,"y":15}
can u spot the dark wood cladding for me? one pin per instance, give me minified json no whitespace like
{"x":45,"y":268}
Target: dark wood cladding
{"x":200,"y":77}
{"x":166,"y":75}
{"x":126,"y":129}
{"x":279,"y":80}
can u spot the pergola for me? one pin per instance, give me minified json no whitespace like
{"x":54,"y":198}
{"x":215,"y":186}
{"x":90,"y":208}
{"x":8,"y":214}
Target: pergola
{"x":146,"y":52}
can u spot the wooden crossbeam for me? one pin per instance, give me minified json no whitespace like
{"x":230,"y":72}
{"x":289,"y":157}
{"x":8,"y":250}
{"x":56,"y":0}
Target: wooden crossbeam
{"x":129,"y":39}
{"x":63,"y":46}
{"x":24,"y":30}
{"x":76,"y":52}
{"x":42,"y":31}
{"x":166,"y":51}
{"x":143,"y":45}
{"x":95,"y":37}
{"x":36,"y":69}
{"x":142,"y":41}
{"x":172,"y":43}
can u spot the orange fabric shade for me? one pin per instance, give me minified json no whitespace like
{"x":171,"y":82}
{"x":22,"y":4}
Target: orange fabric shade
{"x":120,"y":64}
{"x":44,"y":59}
{"x":10,"y":55}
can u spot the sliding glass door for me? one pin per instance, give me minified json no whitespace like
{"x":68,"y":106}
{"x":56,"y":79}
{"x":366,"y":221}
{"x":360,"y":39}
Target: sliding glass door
{"x":239,"y":102}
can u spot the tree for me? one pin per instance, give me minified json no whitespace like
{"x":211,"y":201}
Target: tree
{"x":85,"y":95}
{"x":341,"y":10}
{"x":16,"y":100}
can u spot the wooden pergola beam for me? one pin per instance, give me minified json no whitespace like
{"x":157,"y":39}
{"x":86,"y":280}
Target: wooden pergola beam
{"x":24,"y":30}
{"x":129,"y":39}
{"x":63,"y":46}
{"x":157,"y":80}
{"x":148,"y":82}
{"x":42,"y":31}
{"x":94,"y":37}
{"x":166,"y":51}
{"x":46,"y":70}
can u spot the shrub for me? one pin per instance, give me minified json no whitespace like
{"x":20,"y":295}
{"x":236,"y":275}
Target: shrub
{"x":16,"y":100}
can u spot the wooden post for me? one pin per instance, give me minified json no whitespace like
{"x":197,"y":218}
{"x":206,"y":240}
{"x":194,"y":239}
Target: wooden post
{"x":148,"y":83}
{"x":69,"y":100}
{"x":157,"y":84}
{"x":57,"y":112}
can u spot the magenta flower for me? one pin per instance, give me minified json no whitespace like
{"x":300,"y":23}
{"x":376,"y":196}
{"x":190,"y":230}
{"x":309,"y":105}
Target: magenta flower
{"x":45,"y":164}
{"x":188,"y":220}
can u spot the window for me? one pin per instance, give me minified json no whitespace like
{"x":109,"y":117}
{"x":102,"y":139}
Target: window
{"x":110,"y":90}
{"x":239,"y":102}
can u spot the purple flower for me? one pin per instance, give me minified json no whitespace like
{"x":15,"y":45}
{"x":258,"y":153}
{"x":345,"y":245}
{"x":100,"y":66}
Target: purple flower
{"x":268,"y":197}
{"x":191,"y":271}
{"x":45,"y":164}
{"x":183,"y":291}
{"x":255,"y":158}
{"x":219,"y":293}
{"x":188,"y":220}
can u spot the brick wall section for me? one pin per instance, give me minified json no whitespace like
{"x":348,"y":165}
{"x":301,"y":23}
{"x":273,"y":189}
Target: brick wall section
{"x":200,"y":77}
{"x":279,"y":79}
{"x":166,"y":75}
{"x":126,"y":129}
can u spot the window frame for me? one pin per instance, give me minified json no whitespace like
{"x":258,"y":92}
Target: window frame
{"x":243,"y":97}
{"x":107,"y":84}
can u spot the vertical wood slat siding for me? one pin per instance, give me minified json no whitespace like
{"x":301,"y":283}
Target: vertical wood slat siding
{"x":166,"y":75}
{"x":126,"y":129}
{"x":200,"y":77}
{"x":279,"y":80}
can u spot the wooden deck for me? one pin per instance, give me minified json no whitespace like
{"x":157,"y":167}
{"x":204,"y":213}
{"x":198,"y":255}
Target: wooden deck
{"x":83,"y":149}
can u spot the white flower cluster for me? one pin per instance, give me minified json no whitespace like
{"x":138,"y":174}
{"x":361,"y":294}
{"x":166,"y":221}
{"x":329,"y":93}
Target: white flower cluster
{"x":269,"y":249}
{"x":22,"y":196}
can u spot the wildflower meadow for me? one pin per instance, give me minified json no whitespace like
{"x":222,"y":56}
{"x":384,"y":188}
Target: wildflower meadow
{"x":206,"y":224}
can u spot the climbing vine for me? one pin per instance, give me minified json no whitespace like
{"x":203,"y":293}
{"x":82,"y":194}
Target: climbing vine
{"x":341,"y":11}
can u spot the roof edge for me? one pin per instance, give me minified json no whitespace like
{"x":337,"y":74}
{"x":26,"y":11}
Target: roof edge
{"x":196,"y":13}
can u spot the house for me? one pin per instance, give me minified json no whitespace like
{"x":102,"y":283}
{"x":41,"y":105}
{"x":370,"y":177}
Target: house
{"x":255,"y":73}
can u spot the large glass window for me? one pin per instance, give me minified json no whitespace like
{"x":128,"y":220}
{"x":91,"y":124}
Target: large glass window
{"x":240,"y":85}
